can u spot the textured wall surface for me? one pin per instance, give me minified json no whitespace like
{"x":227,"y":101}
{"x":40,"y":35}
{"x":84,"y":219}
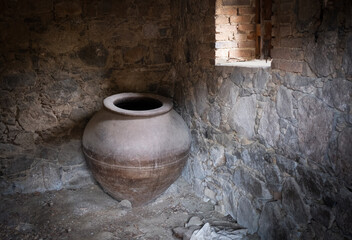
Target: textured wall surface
{"x":235,"y":31}
{"x":270,"y":146}
{"x":58,"y":60}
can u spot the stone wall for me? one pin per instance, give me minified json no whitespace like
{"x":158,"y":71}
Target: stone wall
{"x":58,"y":61}
{"x":271,"y":147}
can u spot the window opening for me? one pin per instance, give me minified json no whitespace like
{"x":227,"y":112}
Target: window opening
{"x":243,"y":30}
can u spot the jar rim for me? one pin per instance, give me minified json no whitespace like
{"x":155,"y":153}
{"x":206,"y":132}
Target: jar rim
{"x":110,"y":104}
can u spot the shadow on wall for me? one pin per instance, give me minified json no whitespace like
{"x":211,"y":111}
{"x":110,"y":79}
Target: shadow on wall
{"x":58,"y":61}
{"x":269,"y":146}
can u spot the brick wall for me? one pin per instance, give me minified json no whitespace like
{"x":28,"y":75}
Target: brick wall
{"x":235,"y":30}
{"x":287,"y":52}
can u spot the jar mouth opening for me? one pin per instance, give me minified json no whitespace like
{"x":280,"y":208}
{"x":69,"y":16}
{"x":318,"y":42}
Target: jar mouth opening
{"x":138,"y":104}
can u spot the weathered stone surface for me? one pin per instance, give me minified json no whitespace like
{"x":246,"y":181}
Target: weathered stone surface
{"x":197,"y":168}
{"x":268,"y":126}
{"x":26,"y":139}
{"x":345,"y":154}
{"x":217,"y":155}
{"x":194,"y":221}
{"x":209,"y":194}
{"x":320,"y":53}
{"x":244,"y":179}
{"x":288,"y":140}
{"x":347,"y":58}
{"x":16,"y":165}
{"x":230,"y":199}
{"x":201,"y":96}
{"x":293,"y":203}
{"x":261,"y":79}
{"x":228,"y":93}
{"x":13,"y":81}
{"x":125,"y":204}
{"x":273,"y":178}
{"x":242,"y":116}
{"x":70,"y":153}
{"x":73,"y":177}
{"x":208,"y":232}
{"x":33,"y":117}
{"x":307,"y":13}
{"x":63,"y":90}
{"x":94,"y":54}
{"x":296,"y":82}
{"x":314,"y":127}
{"x":247,"y":215}
{"x":150,"y":31}
{"x":343,"y":210}
{"x":68,"y":9}
{"x":284,"y":103}
{"x":309,"y":181}
{"x":253,"y":157}
{"x":270,"y":224}
{"x":323,"y":215}
{"x":41,"y":177}
{"x":215,"y":116}
{"x":135,"y":54}
{"x":179,"y":231}
{"x":337,"y":93}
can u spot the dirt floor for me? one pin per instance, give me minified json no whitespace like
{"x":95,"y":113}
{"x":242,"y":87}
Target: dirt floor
{"x":90,"y":214}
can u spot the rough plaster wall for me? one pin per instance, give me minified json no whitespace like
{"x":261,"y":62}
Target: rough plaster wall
{"x":270,"y":147}
{"x":58,"y":60}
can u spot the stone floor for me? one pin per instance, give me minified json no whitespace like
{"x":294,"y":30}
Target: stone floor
{"x":89,"y":213}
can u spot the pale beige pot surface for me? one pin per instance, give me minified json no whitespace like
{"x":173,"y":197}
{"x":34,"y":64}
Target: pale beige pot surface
{"x":136,"y":146}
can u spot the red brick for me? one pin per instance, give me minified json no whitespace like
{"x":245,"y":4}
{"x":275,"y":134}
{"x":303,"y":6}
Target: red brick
{"x":291,"y":42}
{"x":284,"y":18}
{"x":221,"y":20}
{"x":286,"y":7}
{"x":222,"y":53}
{"x":246,"y":44}
{"x":246,"y":10}
{"x":241,"y":53}
{"x":241,"y":19}
{"x":226,"y":44}
{"x":241,"y":37}
{"x":232,"y":11}
{"x":226,"y":28}
{"x":224,"y":36}
{"x":235,"y":2}
{"x":287,"y":65}
{"x":220,"y":61}
{"x":287,"y":53}
{"x":251,"y":36}
{"x":285,"y":31}
{"x":246,"y":27}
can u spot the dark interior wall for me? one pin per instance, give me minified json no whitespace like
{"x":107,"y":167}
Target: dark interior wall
{"x":58,"y":60}
{"x":271,"y":146}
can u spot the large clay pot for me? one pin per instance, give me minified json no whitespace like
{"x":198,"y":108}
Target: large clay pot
{"x":136,"y":146}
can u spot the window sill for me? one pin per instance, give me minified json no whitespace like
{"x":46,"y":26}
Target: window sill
{"x":248,"y":64}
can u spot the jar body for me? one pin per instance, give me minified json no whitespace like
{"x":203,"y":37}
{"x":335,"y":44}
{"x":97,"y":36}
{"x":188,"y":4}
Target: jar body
{"x":136,"y":157}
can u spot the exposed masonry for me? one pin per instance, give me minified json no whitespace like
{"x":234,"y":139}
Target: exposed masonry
{"x":235,"y":31}
{"x":271,"y":147}
{"x":59,"y":60}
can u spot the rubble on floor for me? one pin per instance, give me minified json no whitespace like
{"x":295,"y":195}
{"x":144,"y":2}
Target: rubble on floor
{"x":88,"y":213}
